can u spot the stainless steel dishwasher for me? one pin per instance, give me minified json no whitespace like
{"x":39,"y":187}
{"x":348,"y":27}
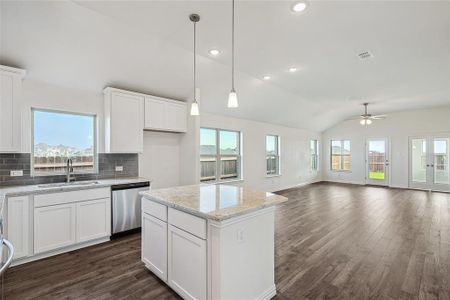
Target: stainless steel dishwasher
{"x":126,"y":207}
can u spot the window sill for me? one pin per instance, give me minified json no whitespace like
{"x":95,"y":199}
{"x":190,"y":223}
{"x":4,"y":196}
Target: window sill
{"x":64,"y":174}
{"x":341,"y":171}
{"x":272,"y":176}
{"x":223,"y":181}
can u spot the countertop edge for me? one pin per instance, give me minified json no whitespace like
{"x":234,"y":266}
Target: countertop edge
{"x":34,"y":189}
{"x":208,"y":216}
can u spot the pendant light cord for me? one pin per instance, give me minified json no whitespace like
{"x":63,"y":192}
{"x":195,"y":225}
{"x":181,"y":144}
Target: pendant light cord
{"x":232,"y":46}
{"x":195,"y":96}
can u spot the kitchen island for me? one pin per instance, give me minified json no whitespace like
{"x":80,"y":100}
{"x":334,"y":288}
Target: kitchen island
{"x":211,"y":241}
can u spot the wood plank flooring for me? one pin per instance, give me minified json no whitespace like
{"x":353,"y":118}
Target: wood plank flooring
{"x":333,"y":241}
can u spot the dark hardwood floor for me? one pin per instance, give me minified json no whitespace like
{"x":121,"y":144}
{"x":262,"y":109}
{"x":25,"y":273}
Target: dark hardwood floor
{"x":332,"y":241}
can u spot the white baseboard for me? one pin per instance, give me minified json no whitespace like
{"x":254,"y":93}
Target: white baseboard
{"x":268,"y":294}
{"x":297,"y":185}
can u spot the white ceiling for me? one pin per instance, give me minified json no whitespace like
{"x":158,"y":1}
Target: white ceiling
{"x":147,"y":46}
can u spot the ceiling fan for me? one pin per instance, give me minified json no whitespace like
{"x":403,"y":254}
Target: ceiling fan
{"x":366,"y":118}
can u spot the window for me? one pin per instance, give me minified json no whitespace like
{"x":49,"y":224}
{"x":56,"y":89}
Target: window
{"x":220,"y":155}
{"x":58,"y":136}
{"x":313,"y":146}
{"x":272,"y":155}
{"x":340,"y":155}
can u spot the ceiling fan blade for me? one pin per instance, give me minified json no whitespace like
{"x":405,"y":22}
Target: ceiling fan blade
{"x":354,"y":118}
{"x":378,"y":117}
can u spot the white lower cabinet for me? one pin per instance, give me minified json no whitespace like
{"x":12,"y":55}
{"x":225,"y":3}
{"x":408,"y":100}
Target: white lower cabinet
{"x":54,"y":227}
{"x":93,"y":219}
{"x":154,"y":245}
{"x":18,"y":225}
{"x":187,"y":264}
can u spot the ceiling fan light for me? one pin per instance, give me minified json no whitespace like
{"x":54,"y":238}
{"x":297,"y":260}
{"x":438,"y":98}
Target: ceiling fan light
{"x":233,"y":100}
{"x":194,"y":109}
{"x":368,"y":121}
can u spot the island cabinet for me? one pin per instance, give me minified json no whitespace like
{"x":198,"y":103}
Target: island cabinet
{"x":207,"y":242}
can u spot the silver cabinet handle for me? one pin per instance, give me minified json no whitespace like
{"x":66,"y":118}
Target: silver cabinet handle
{"x":10,"y":255}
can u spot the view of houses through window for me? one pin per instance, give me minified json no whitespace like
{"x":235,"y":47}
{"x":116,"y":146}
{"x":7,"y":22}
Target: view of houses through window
{"x":58,"y":136}
{"x":220,"y":157}
{"x":340,"y":155}
{"x":272,"y":155}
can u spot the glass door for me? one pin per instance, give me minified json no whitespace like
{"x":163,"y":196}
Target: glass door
{"x":419,"y":167}
{"x":429,"y":163}
{"x":377,"y":161}
{"x":440,"y":164}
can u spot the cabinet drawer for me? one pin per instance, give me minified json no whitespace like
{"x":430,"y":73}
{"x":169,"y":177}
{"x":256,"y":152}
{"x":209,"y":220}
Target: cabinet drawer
{"x":72,"y":196}
{"x":187,"y":222}
{"x":154,"y":209}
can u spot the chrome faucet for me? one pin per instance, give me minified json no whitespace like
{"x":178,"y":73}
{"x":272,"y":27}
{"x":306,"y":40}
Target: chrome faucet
{"x":69,"y":170}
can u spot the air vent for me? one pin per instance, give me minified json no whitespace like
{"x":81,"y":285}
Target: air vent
{"x":365,"y":55}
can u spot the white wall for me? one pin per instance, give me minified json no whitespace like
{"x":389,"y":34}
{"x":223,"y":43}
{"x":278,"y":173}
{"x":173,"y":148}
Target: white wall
{"x":398,"y":127}
{"x":161,"y":158}
{"x":294,"y":155}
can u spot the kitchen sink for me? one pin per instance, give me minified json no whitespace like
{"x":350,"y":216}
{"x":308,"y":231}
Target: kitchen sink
{"x":65,"y":184}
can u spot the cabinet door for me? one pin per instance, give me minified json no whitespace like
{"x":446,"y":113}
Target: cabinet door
{"x":54,"y":227}
{"x":187,"y":264}
{"x":154,"y":114}
{"x":126,"y":133}
{"x":93,"y":219}
{"x":154,"y":245}
{"x":18,"y":225}
{"x":176,"y":117}
{"x":9,"y":114}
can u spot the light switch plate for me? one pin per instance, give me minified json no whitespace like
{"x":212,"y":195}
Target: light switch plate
{"x":15,"y":173}
{"x":119,"y":168}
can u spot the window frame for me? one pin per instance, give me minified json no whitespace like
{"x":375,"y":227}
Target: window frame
{"x":218,"y":156}
{"x":341,"y":155}
{"x":277,"y":155}
{"x":314,"y":157}
{"x":95,"y":169}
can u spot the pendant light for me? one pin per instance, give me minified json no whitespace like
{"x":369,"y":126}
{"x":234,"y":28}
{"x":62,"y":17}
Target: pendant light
{"x":232,"y":97}
{"x":194,"y":106}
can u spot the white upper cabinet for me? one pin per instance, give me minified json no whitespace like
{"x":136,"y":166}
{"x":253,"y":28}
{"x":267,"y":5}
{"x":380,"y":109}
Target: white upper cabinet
{"x":124,"y":113}
{"x":10,"y":116}
{"x":165,"y":115}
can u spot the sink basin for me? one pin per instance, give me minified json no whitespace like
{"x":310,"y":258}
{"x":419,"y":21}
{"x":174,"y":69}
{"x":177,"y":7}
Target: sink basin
{"x":64,"y":184}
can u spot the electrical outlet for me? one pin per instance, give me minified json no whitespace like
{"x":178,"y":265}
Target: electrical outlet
{"x":240,"y":235}
{"x":119,"y":168}
{"x":15,"y":173}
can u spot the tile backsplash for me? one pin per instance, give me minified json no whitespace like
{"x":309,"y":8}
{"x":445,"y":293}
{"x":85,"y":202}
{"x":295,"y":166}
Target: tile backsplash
{"x":106,"y":169}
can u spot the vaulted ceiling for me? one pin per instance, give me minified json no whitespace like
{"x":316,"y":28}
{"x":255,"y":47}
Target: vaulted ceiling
{"x":147,"y":46}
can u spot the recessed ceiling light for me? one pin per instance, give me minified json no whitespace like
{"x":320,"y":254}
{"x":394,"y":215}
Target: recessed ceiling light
{"x":299,"y":6}
{"x":267,"y":77}
{"x":292,"y":69}
{"x":214,"y":52}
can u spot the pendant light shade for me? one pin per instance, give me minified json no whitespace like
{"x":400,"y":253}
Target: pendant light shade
{"x":195,"y":111}
{"x":232,"y":97}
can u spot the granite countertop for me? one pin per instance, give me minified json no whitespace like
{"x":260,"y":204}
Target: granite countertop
{"x":22,"y":190}
{"x":215,"y":202}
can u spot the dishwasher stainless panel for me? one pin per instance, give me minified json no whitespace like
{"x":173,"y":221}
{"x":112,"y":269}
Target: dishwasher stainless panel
{"x":126,"y":206}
